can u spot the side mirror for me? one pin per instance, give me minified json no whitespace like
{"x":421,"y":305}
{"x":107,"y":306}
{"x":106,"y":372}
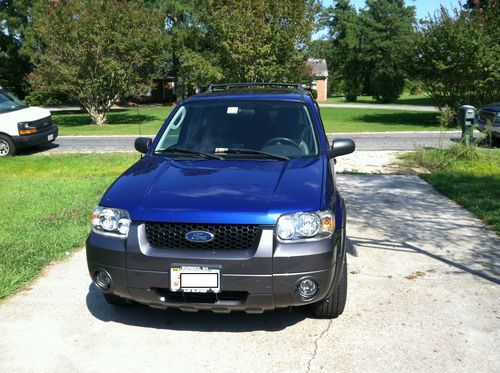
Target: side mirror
{"x":341,"y":147}
{"x":142,"y":144}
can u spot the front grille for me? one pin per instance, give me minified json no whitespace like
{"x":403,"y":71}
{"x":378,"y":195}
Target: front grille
{"x":42,"y":123}
{"x":226,"y":236}
{"x":486,"y":115}
{"x":236,"y":297}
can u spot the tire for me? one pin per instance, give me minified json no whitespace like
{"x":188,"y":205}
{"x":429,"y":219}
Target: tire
{"x":495,"y":141}
{"x":116,"y":300}
{"x":333,"y":305}
{"x":7,"y":147}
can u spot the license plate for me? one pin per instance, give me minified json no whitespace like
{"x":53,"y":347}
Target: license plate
{"x":195,"y":279}
{"x":50,"y":137}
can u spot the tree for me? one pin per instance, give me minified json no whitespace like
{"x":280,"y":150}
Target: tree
{"x":260,"y":40}
{"x":387,"y":29}
{"x":456,"y":56}
{"x":14,"y":66}
{"x":370,"y":48}
{"x":196,"y":69}
{"x":192,"y":61}
{"x":95,"y":50}
{"x":346,"y":67}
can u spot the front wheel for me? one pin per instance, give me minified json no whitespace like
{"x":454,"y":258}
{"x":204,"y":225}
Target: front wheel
{"x":333,"y":305}
{"x":7,"y":147}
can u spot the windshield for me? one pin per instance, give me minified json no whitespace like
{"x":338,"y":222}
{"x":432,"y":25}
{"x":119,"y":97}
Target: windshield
{"x":9,"y":102}
{"x":242,"y":129}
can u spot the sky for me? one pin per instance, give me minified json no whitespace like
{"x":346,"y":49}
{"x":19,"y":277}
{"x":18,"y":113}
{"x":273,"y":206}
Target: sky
{"x":423,"y":7}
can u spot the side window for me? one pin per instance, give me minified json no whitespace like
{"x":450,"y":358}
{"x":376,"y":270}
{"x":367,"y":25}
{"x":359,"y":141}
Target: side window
{"x":171,"y":135}
{"x":308,"y":133}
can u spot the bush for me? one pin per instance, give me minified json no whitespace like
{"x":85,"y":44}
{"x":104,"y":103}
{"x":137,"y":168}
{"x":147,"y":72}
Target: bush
{"x":448,"y":117}
{"x":438,"y":159}
{"x":414,"y":87}
{"x":456,"y":58}
{"x":386,"y":85}
{"x":46,"y":99}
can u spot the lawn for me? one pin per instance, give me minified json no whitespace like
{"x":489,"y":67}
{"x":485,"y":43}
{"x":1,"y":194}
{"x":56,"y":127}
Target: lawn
{"x":405,"y":99}
{"x":469,"y":177}
{"x":45,"y":206}
{"x":378,"y":120}
{"x":133,"y":121}
{"x":147,"y":120}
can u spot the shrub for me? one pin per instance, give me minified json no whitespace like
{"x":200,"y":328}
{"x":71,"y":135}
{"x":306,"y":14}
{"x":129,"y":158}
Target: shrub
{"x":45,"y":99}
{"x":386,"y":84}
{"x":437,"y":159}
{"x":448,"y":117}
{"x":414,"y":87}
{"x":456,"y":57}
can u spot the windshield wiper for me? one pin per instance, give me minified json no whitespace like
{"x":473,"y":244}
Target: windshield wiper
{"x":187,"y":151}
{"x":250,"y":151}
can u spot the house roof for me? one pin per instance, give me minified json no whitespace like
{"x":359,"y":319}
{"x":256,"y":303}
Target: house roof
{"x":318,"y":67}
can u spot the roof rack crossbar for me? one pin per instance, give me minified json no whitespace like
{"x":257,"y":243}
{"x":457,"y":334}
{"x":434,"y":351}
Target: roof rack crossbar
{"x":219,"y":87}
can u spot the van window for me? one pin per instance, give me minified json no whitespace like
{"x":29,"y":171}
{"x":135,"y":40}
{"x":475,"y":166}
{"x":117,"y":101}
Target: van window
{"x":9,"y":102}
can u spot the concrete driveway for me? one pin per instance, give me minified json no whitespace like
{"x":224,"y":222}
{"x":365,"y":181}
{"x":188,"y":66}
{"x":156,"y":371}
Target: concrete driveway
{"x":423,"y":295}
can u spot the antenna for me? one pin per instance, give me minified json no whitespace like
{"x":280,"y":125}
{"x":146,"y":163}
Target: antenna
{"x":140,"y":128}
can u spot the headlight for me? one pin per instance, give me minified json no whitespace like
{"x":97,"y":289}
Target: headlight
{"x":111,"y":221}
{"x":26,"y":129}
{"x":305,"y":225}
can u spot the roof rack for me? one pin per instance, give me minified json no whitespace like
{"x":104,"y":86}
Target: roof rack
{"x":221,"y":87}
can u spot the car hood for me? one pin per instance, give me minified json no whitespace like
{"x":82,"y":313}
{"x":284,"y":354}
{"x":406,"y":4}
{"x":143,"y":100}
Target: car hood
{"x":25,"y":114}
{"x":491,"y":107}
{"x":217,"y":191}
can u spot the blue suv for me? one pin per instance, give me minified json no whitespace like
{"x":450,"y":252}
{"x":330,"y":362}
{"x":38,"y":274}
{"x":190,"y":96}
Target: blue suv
{"x":233,"y":206}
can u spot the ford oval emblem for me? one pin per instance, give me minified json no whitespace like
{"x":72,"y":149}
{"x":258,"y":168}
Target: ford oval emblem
{"x":199,"y":236}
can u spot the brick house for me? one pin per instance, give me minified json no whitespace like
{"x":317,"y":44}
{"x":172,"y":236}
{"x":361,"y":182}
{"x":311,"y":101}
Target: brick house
{"x":319,"y":72}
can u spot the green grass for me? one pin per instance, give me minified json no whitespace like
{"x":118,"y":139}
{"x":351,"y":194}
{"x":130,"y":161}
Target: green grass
{"x":126,"y":121}
{"x":45,"y":206}
{"x":468,"y":175}
{"x":378,"y":120}
{"x":121,"y":122}
{"x":405,"y":99}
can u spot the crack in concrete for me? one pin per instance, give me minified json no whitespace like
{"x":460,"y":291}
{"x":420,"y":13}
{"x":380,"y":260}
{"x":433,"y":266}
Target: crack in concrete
{"x":316,"y":344}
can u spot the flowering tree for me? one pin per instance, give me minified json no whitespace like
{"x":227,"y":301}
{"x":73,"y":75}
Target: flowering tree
{"x":95,"y":50}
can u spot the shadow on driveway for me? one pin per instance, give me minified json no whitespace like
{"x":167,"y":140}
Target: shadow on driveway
{"x":202,"y":321}
{"x":492,"y":256}
{"x":404,"y":213}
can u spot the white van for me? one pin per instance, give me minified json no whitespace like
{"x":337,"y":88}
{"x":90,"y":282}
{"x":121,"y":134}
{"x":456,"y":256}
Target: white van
{"x":23,"y":126}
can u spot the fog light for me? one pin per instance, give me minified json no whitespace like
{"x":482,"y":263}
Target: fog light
{"x":103,"y":279}
{"x":307,"y":288}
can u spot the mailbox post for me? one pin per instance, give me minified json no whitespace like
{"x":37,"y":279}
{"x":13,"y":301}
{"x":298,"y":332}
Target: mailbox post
{"x":466,"y":118}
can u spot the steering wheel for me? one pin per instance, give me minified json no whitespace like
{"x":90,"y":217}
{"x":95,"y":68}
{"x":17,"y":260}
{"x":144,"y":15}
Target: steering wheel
{"x":275,"y":140}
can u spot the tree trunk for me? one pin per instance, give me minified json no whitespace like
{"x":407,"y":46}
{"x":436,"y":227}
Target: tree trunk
{"x":98,"y":112}
{"x":99,"y":118}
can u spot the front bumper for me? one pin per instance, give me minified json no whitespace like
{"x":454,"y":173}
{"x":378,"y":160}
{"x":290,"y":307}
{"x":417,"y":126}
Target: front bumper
{"x":39,"y":138}
{"x":254,"y":280}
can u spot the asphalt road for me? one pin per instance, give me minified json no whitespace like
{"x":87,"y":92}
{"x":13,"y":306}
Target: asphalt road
{"x":423,"y":296}
{"x":400,"y":141}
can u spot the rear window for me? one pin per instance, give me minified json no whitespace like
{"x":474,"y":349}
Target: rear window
{"x":276,"y":127}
